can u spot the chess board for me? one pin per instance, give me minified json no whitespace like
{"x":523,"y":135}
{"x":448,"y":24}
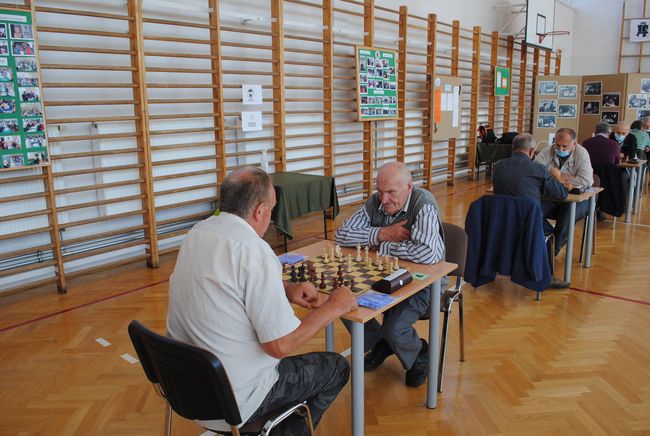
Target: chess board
{"x":364,"y":276}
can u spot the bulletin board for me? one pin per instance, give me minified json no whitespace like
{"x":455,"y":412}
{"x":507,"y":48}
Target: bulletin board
{"x":376,"y":84}
{"x":446,"y":105}
{"x":23,"y":140}
{"x":557,"y":105}
{"x":637,"y":100}
{"x":603,"y":98}
{"x":502,"y":81}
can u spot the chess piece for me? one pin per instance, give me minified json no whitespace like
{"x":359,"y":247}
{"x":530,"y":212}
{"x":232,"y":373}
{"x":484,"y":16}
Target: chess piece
{"x":396,"y":263}
{"x":358,"y":258}
{"x":377,"y":259}
{"x":322,"y":281}
{"x":380,"y":265}
{"x":346,"y":283}
{"x":349,"y":262}
{"x":293,"y":278}
{"x":340,"y":270}
{"x":301,"y":273}
{"x":352,"y":286}
{"x":284,"y":268}
{"x":366,"y":249}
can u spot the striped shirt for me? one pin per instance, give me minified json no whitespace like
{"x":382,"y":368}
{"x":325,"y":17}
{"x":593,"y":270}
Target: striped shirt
{"x":425,"y":246}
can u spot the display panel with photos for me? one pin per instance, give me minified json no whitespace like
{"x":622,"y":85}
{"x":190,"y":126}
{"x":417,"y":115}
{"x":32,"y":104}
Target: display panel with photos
{"x":376,"y":84}
{"x":23,"y":141}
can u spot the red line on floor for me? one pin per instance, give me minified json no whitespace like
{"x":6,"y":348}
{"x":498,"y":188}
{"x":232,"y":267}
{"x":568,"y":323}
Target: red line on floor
{"x":615,"y":297}
{"x":89,"y":303}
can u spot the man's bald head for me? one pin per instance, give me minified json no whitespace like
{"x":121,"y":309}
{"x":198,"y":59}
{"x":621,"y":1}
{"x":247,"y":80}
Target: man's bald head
{"x":394,"y":185}
{"x":243,"y":189}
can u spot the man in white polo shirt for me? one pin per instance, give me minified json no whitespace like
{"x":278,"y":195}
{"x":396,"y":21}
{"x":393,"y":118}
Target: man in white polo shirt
{"x":226,"y":295}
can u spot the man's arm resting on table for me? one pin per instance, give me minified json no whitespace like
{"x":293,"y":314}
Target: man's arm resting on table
{"x":357,"y":230}
{"x":340,"y":302}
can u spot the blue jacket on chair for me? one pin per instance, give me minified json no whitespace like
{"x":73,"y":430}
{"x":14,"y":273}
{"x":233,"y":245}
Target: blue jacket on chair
{"x":505,"y":235}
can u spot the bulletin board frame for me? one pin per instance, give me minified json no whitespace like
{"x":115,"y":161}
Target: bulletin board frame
{"x":501,"y":74}
{"x":23,"y":132}
{"x":370,"y":98}
{"x":442,"y":117}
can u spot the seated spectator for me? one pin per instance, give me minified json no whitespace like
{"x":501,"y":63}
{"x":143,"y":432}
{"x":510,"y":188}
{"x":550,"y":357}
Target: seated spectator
{"x":642,"y":139}
{"x":601,"y":149}
{"x":626,"y":142}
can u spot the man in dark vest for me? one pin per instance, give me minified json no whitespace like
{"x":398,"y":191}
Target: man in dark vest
{"x":399,"y":220}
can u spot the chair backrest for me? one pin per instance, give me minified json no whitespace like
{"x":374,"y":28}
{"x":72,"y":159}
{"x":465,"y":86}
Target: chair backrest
{"x":455,"y":247}
{"x":596,"y":183}
{"x":193,"y":380}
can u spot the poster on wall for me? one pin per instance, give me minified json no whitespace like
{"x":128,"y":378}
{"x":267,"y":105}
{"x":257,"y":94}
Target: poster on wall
{"x":23,"y":142}
{"x":376,"y":84}
{"x":501,"y":81}
{"x":640,"y":30}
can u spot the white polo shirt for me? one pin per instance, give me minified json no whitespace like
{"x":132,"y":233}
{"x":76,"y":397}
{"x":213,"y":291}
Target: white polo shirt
{"x":226,"y":295}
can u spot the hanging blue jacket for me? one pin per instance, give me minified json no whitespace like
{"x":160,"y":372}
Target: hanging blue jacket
{"x":505,"y":235}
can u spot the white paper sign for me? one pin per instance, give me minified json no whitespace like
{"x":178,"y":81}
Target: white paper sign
{"x":639,"y":30}
{"x":251,"y":121}
{"x":251,"y":94}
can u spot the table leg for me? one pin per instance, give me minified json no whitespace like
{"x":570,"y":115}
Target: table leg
{"x":329,"y":337}
{"x":569,"y":242}
{"x":286,"y":247}
{"x":630,"y":195}
{"x":590,"y":231}
{"x":325,"y":223}
{"x":357,"y":379}
{"x":639,"y":188}
{"x":434,"y":345}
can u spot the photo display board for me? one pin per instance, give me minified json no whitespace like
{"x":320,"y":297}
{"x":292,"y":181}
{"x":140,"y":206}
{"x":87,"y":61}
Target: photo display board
{"x":23,"y":142}
{"x":603,"y":99}
{"x":376,"y":84}
{"x":557,"y":105}
{"x":636,"y":103}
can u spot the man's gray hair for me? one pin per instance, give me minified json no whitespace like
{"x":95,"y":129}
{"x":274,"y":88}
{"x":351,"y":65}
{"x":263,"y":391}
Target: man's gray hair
{"x":402,"y":169}
{"x":243,"y":189}
{"x":602,"y":128}
{"x":523,"y":142}
{"x":566,"y":131}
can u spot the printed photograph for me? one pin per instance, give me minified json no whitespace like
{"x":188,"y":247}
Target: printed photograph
{"x":645,"y":85}
{"x":567,"y":110}
{"x":7,"y":106}
{"x":9,"y":142}
{"x":593,"y":88}
{"x":21,"y":31}
{"x":546,"y":121}
{"x":31,"y":110}
{"x":3,"y":30}
{"x":547,"y":106}
{"x":9,"y":126}
{"x":22,"y":48}
{"x":27,"y":79}
{"x":7,"y":90}
{"x":362,"y":78}
{"x":4,"y":48}
{"x":637,"y":101}
{"x":643,"y":113}
{"x":370,"y":62}
{"x":35,"y":141}
{"x":30,"y":94}
{"x":27,"y":64}
{"x":362,"y":67}
{"x":568,"y":91}
{"x":36,"y":158}
{"x":547,"y":87}
{"x":363,"y":89}
{"x":590,"y":107}
{"x":364,"y":100}
{"x":34,"y":125}
{"x":612,"y":99}
{"x":610,"y":117}
{"x":12,"y":161}
{"x":5,"y":74}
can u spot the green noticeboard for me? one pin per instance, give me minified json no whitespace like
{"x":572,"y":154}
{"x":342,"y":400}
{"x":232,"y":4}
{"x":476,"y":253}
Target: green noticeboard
{"x":23,"y":142}
{"x":376,"y":84}
{"x":501,"y":81}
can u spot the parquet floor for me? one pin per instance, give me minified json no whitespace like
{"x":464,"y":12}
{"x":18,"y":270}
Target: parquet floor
{"x":578,"y":362}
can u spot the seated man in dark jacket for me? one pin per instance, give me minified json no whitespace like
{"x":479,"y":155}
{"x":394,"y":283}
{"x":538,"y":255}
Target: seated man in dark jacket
{"x":601,"y":149}
{"x":520,"y":176}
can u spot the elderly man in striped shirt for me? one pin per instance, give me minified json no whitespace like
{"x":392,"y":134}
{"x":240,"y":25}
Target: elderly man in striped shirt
{"x":400,"y":220}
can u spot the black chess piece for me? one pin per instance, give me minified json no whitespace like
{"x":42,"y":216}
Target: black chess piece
{"x":353,"y":286}
{"x":322,"y":281}
{"x":301,"y":274}
{"x":294,"y":277}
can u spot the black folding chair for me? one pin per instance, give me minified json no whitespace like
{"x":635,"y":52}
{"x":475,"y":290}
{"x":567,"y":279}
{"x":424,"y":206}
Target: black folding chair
{"x":195,"y":384}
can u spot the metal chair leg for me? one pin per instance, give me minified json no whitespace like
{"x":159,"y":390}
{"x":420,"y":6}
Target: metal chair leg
{"x":461,"y":331}
{"x":443,"y":349}
{"x":168,"y":421}
{"x":584,"y":239}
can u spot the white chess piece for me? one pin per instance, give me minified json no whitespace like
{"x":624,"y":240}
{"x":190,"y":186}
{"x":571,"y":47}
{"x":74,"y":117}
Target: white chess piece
{"x":366,"y":248}
{"x":380,"y":267}
{"x":358,"y":258}
{"x":349,"y":262}
{"x":396,"y":263}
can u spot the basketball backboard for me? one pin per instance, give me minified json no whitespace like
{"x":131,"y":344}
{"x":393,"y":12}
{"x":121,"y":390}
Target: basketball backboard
{"x":540,"y":15}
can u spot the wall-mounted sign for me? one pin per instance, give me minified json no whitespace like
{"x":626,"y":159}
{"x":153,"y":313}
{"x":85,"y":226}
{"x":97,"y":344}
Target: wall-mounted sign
{"x":501,"y":81}
{"x":376,"y":84}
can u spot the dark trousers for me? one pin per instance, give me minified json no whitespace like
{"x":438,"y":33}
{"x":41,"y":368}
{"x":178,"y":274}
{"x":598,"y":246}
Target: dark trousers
{"x":560,"y":213}
{"x":316,"y":378}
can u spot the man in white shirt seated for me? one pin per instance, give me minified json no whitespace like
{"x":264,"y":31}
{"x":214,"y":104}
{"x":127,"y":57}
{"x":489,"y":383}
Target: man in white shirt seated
{"x":575,"y":173}
{"x":401,"y":220}
{"x":226,"y":295}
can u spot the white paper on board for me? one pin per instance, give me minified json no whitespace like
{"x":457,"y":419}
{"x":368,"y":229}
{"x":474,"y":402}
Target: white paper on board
{"x":251,"y":121}
{"x":498,"y":77}
{"x":251,"y":94}
{"x":456,"y":117}
{"x":443,"y":101}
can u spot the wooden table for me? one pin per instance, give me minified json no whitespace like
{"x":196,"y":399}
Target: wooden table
{"x":574,"y":199}
{"x":362,"y":315}
{"x":635,"y":188}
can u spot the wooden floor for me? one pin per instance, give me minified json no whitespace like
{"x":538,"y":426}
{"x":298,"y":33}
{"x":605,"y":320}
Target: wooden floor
{"x":578,"y":362}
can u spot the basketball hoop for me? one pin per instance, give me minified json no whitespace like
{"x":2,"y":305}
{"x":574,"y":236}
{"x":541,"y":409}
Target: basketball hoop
{"x":541,"y":36}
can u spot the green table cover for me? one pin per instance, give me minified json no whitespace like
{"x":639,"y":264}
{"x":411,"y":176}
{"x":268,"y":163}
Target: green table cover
{"x":299,"y":194}
{"x":492,"y":152}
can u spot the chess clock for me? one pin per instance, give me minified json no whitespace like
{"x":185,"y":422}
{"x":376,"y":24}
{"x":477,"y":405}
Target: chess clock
{"x":393,"y":282}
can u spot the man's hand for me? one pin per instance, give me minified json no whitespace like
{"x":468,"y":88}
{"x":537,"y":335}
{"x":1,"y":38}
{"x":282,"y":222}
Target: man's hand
{"x":343,"y":300}
{"x":303,"y":294}
{"x":394,"y":233}
{"x":557,"y":174}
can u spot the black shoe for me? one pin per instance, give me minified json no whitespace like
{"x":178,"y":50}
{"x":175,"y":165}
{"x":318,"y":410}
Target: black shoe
{"x":377,"y":355}
{"x":417,"y":375}
{"x":558,"y":284}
